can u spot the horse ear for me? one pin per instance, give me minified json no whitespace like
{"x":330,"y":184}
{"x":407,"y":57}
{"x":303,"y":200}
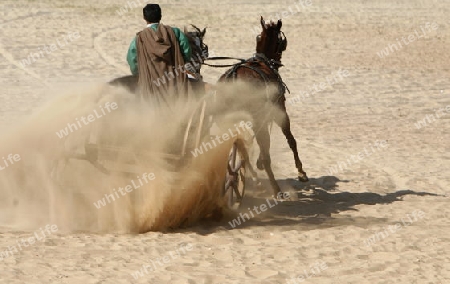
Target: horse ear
{"x":203,"y":32}
{"x":263,"y":24}
{"x":279,"y":24}
{"x":195,"y":27}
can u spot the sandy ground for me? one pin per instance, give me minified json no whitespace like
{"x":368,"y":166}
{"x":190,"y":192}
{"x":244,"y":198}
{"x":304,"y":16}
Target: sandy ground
{"x":382,"y":220}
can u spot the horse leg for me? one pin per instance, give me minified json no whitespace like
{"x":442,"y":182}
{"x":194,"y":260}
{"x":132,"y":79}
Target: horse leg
{"x":259,"y":163}
{"x":241,"y":146}
{"x":263,"y":140}
{"x":285,"y":124}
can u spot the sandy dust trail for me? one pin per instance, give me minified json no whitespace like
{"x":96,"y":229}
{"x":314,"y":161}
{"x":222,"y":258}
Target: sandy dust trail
{"x":161,"y":194}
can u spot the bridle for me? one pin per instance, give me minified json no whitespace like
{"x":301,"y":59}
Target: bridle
{"x":281,"y":43}
{"x":203,"y":47}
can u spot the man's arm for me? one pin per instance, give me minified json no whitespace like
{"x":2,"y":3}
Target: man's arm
{"x":184,"y":44}
{"x":132,"y":57}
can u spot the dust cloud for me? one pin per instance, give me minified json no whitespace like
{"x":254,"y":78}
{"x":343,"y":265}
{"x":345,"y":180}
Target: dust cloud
{"x":139,"y":184}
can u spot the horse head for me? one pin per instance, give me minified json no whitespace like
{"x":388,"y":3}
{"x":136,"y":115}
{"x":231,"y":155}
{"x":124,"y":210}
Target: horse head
{"x":198,"y":47}
{"x":271,"y":42}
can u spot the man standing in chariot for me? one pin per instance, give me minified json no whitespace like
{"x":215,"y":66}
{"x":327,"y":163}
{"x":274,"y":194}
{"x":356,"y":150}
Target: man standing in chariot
{"x":158,"y":55}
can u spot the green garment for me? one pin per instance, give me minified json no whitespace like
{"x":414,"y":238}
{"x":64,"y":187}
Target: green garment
{"x":181,"y":37}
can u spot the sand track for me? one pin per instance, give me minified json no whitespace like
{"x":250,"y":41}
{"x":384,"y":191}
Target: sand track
{"x":331,"y":218}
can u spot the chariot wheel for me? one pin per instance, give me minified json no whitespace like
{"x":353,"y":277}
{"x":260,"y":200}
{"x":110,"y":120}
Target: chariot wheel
{"x":234,"y":187}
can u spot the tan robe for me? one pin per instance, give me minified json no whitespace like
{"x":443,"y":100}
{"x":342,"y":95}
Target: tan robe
{"x":159,"y":61}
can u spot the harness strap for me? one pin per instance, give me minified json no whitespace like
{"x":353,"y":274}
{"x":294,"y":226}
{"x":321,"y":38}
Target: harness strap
{"x":274,"y":65}
{"x":233,"y":72}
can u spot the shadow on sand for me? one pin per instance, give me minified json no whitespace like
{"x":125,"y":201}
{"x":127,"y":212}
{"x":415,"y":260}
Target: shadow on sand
{"x":317,"y":200}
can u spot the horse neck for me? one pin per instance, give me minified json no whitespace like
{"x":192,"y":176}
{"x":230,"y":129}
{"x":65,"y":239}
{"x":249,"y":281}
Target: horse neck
{"x":269,"y":56}
{"x":270,"y":60}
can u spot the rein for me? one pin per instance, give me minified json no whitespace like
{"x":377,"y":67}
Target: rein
{"x":223,"y":58}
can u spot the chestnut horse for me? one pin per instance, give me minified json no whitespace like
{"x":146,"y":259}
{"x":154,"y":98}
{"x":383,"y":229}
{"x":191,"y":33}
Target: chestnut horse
{"x":262,"y":70}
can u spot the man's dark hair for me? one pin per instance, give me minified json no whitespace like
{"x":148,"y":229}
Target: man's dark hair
{"x":152,"y":13}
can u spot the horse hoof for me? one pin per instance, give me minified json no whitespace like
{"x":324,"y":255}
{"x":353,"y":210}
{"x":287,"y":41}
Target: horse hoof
{"x":259,"y":165}
{"x":303,"y":177}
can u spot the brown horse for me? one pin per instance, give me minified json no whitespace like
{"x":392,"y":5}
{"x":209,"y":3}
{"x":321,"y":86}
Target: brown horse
{"x":262,"y":70}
